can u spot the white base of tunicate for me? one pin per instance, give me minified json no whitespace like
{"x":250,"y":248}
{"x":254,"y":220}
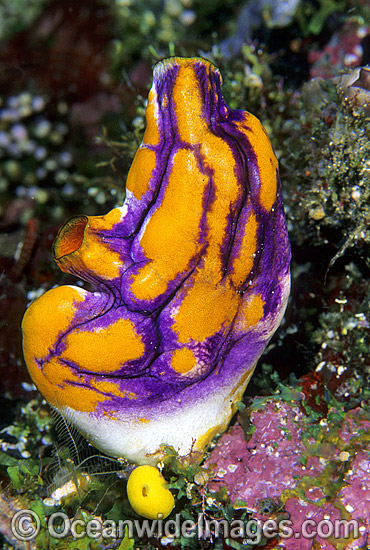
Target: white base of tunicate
{"x":190,"y":428}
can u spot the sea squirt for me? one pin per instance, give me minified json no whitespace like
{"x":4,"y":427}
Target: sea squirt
{"x":192,"y":279}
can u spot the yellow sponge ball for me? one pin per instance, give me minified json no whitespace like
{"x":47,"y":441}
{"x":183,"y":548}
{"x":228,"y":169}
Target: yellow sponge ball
{"x":148,"y":494}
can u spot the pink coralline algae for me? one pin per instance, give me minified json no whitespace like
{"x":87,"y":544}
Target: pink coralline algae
{"x":268,"y":463}
{"x":316,"y":471}
{"x":343,"y":51}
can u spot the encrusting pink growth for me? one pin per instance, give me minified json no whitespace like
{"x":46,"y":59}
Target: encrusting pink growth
{"x":319,"y":481}
{"x":192,"y":279}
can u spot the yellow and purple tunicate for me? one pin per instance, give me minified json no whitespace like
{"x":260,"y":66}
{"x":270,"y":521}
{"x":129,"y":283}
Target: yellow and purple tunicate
{"x":192,"y":279}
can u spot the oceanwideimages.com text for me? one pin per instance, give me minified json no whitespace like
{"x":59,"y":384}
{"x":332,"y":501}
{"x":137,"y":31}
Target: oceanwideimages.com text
{"x":26,"y":525}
